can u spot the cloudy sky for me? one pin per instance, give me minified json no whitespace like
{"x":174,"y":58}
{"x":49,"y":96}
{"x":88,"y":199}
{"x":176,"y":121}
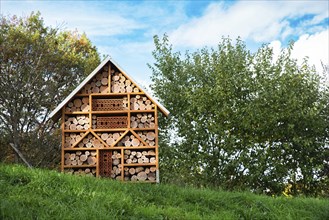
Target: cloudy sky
{"x":125,"y":29}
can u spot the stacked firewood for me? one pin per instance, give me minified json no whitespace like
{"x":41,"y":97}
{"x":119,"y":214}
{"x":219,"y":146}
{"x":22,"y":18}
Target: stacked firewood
{"x":79,"y":158}
{"x":99,"y":84}
{"x":90,"y":141}
{"x":77,"y":105}
{"x":148,"y":137}
{"x":78,"y":122}
{"x":141,"y":103}
{"x":116,"y":165}
{"x":130,"y":141}
{"x":132,"y":156}
{"x":82,"y":171}
{"x":119,"y":84}
{"x":110,"y":138}
{"x":144,"y":120}
{"x":71,"y":139}
{"x":140,"y":173}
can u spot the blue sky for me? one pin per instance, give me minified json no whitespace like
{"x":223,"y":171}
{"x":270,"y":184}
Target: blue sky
{"x":125,"y":29}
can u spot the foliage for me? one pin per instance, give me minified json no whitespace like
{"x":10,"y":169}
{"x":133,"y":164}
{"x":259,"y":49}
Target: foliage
{"x":39,"y":67}
{"x":31,"y":194}
{"x":241,"y":119}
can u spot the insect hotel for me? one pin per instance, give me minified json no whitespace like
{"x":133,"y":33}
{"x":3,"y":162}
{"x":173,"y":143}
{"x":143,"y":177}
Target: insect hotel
{"x":110,"y":127}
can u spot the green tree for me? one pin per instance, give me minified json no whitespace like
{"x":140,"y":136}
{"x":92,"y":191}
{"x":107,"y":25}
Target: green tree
{"x":240,"y":119}
{"x":40,"y":65}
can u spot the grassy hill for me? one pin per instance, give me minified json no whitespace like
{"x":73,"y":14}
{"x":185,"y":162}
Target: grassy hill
{"x":43,"y":194}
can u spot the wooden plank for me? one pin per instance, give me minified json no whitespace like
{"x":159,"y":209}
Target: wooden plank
{"x":109,"y":78}
{"x":63,"y":139}
{"x":156,"y":143}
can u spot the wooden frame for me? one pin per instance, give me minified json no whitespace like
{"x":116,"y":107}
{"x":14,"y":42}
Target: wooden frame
{"x":133,"y":149}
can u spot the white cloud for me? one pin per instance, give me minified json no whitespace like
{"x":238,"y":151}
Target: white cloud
{"x":315,"y":47}
{"x":259,"y":21}
{"x":276,"y":46}
{"x":125,"y":29}
{"x":93,"y":19}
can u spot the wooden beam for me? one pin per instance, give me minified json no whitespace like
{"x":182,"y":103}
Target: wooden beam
{"x":20,"y":155}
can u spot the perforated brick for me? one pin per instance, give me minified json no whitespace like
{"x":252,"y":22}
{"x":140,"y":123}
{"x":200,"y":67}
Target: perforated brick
{"x":112,"y":122}
{"x":107,"y":105}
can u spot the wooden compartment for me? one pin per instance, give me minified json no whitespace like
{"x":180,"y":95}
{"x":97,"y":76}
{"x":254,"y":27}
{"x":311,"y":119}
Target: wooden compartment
{"x":109,"y":122}
{"x":140,"y":173}
{"x":139,"y":156}
{"x":80,"y":158}
{"x":141,"y":102}
{"x":120,"y":84}
{"x":76,"y":122}
{"x":110,"y":138}
{"x":142,"y":120}
{"x":89,"y":141}
{"x":81,"y":171}
{"x":72,"y":138}
{"x":110,"y":104}
{"x":79,"y":104}
{"x":99,"y":84}
{"x":130,"y":140}
{"x":149,"y":137}
{"x":110,"y":164}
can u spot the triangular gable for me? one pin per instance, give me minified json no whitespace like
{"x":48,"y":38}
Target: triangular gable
{"x":88,"y":82}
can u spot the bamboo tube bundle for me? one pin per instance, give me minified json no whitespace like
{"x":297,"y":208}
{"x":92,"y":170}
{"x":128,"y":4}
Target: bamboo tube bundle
{"x":120,"y":84}
{"x":142,"y":120}
{"x":110,"y":138}
{"x":79,"y":158}
{"x":130,"y":141}
{"x":140,"y":174}
{"x":116,"y":165}
{"x":78,"y":105}
{"x":71,"y":138}
{"x":140,"y":102}
{"x":81,"y":171}
{"x":76,"y":122}
{"x":139,"y":157}
{"x":148,"y":137}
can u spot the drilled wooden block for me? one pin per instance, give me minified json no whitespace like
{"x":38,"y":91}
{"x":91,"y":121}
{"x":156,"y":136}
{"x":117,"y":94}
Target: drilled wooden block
{"x":107,"y":104}
{"x":111,"y":122}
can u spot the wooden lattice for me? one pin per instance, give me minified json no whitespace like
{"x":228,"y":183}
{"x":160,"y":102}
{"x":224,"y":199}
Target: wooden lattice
{"x":107,"y":104}
{"x":112,"y":122}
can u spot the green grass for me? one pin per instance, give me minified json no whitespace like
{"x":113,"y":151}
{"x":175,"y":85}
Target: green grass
{"x":43,"y":194}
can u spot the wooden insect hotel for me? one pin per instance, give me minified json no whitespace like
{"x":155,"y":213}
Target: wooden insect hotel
{"x":110,"y":127}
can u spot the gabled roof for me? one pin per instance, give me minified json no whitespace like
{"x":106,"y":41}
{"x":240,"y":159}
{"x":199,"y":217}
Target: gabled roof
{"x":55,"y":114}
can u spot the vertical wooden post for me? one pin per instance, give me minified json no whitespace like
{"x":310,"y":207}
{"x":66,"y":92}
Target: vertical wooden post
{"x":109,"y":78}
{"x":97,"y":163}
{"x":90,"y":112}
{"x":122,"y":167}
{"x":156,"y":143}
{"x":129,"y":113}
{"x":63,"y":139}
